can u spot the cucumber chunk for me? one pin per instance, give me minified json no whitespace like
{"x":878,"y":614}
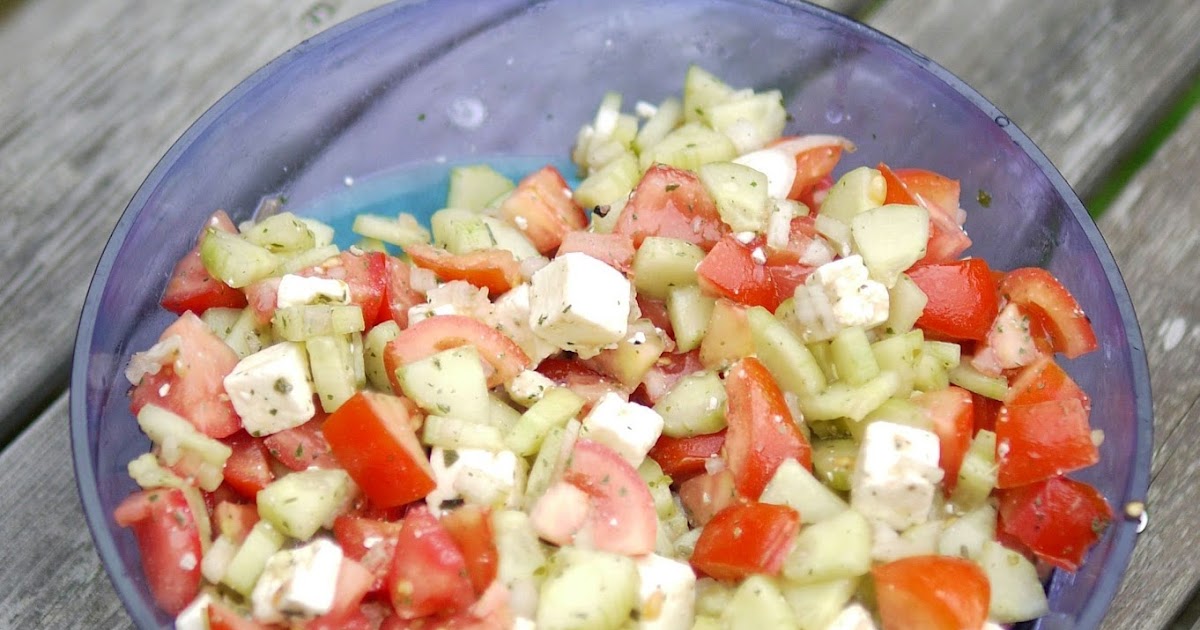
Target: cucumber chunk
{"x":234,"y":260}
{"x":545,"y":465}
{"x":838,"y":547}
{"x":666,"y":117}
{"x":890,"y":239}
{"x":793,"y":486}
{"x":977,"y":476}
{"x":701,"y":90}
{"x":402,"y":231}
{"x":521,"y":558}
{"x":303,"y":502}
{"x":844,"y":401}
{"x":177,"y":439}
{"x":816,"y":605}
{"x":247,"y":336}
{"x":689,"y":147}
{"x":1017,"y":593}
{"x":609,"y":580}
{"x":220,"y":320}
{"x":331,"y":361}
{"x":758,"y":604}
{"x":461,"y":231}
{"x":474,"y":187}
{"x":300,"y":323}
{"x":689,"y":310}
{"x":793,"y":366}
{"x":556,"y":407}
{"x":449,"y":383}
{"x":455,"y":433}
{"x":662,"y":263}
{"x":965,"y":536}
{"x":373,"y":347}
{"x":906,"y":302}
{"x":694,"y":406}
{"x":282,"y":233}
{"x":251,"y":558}
{"x":510,"y":238}
{"x":851,"y":353}
{"x":740,"y":193}
{"x":833,"y":462}
{"x":855,"y":192}
{"x":750,"y":122}
{"x":610,"y":183}
{"x":967,"y":377}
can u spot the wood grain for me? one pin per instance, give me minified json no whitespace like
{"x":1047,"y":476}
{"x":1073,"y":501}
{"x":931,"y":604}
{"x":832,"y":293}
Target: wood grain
{"x":1084,"y":79}
{"x":52,"y":577}
{"x":1153,"y":229}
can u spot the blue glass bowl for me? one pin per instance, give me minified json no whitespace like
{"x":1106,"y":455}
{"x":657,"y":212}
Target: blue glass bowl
{"x":465,"y":80}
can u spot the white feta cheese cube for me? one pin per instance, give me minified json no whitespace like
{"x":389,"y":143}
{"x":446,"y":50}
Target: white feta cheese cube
{"x":856,"y":300}
{"x":476,"y":476}
{"x":216,"y":560}
{"x":299,"y":290}
{"x":666,"y":592}
{"x":452,"y":298}
{"x":579,"y":303}
{"x":510,"y":315}
{"x":298,"y":582}
{"x":195,"y":616}
{"x":896,"y":475}
{"x":852,"y":617}
{"x":421,"y":312}
{"x":270,"y":389}
{"x":778,"y":165}
{"x":628,"y":428}
{"x":1009,"y":344}
{"x":528,"y":387}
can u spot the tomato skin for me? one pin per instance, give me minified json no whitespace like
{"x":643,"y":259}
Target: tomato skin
{"x":622,"y":517}
{"x":429,"y":573}
{"x":471,"y":528}
{"x":166,"y":531}
{"x":1037,"y":289}
{"x":1044,"y":380}
{"x":582,"y":380}
{"x":370,"y":542}
{"x":302,"y":447}
{"x":683,"y":458}
{"x":962,"y":298}
{"x":197,"y":391}
{"x":542,"y":204}
{"x":399,"y":295}
{"x":371,"y":437}
{"x":761,"y":433}
{"x":931,"y":593}
{"x":234,"y":520}
{"x":671,"y":202}
{"x":986,"y":412}
{"x":1058,"y":519}
{"x":248,"y":468}
{"x":953,"y":413}
{"x":1042,"y":440}
{"x":729,"y":271}
{"x":443,"y":332}
{"x":494,"y":269}
{"x":615,"y":250}
{"x":192,"y":288}
{"x":812,"y":166}
{"x":745,"y":539}
{"x":667,"y":371}
{"x":262,"y":297}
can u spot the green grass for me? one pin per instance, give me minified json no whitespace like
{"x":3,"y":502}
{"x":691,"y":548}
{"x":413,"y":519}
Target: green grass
{"x":1140,"y":155}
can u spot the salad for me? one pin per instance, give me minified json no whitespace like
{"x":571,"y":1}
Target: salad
{"x":712,"y":386}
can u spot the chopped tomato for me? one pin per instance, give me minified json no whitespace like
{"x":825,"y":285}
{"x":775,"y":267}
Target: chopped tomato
{"x":443,"y":332}
{"x":263,"y":296}
{"x":371,"y":542}
{"x":962,"y":298}
{"x":622,"y":517}
{"x":667,"y":371}
{"x":1037,"y":289}
{"x":367,"y":276}
{"x":248,"y":469}
{"x":302,"y":447}
{"x":169,"y":542}
{"x":1042,"y":440}
{"x":1010,"y":343}
{"x":671,"y":202}
{"x":729,"y":270}
{"x":1059,"y":519}
{"x":353,"y":583}
{"x":615,"y":250}
{"x":953,"y":415}
{"x":471,"y":528}
{"x":761,"y":433}
{"x":742,"y":540}
{"x":705,"y":495}
{"x":1044,"y":380}
{"x":543,"y":209}
{"x":429,"y":572}
{"x":785,"y":279}
{"x":588,"y":383}
{"x":931,"y":593}
{"x":192,"y":288}
{"x":940,"y":196}
{"x":986,"y":411}
{"x":399,"y":295}
{"x":656,"y":311}
{"x":234,"y":520}
{"x":192,"y":385}
{"x":371,"y":437}
{"x":816,"y":157}
{"x":493,"y":269}
{"x":817,"y":194}
{"x":682,"y":458}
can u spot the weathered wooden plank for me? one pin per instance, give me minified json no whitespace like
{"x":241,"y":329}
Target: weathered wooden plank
{"x":1153,"y":229}
{"x":52,"y":577}
{"x":91,"y":95}
{"x":1084,"y":78}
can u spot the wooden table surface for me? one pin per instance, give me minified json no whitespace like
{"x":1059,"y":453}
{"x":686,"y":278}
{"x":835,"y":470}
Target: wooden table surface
{"x":93,"y":93}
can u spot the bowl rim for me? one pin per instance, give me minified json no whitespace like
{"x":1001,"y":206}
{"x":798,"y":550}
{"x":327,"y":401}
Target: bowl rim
{"x":83,"y":459}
